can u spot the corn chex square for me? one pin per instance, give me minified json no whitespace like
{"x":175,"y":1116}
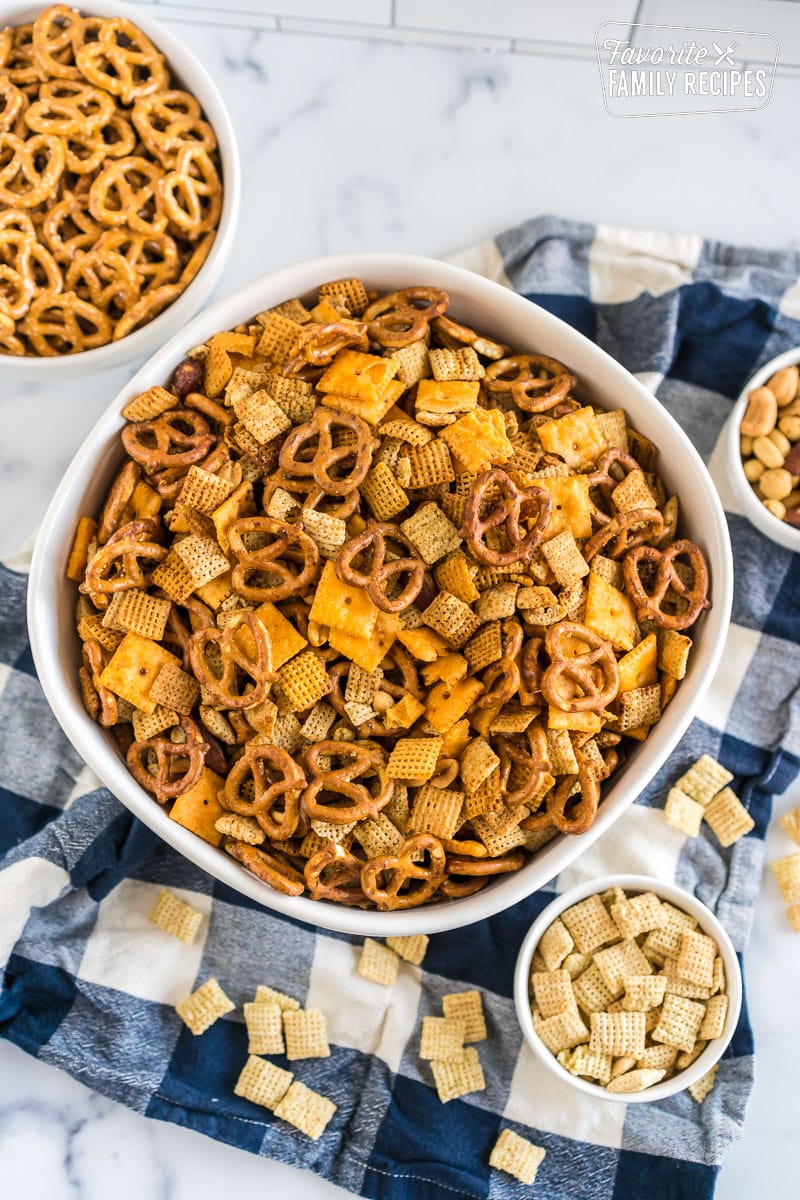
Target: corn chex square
{"x":466,"y":1007}
{"x":200,"y":1010}
{"x":704,"y":1085}
{"x":636,"y":1080}
{"x":442,"y":1039}
{"x":683,"y":813}
{"x":378,"y":963}
{"x":268,"y":995}
{"x":451,"y":618}
{"x":658,"y":1058}
{"x":304,"y":680}
{"x":431,"y":533}
{"x":728,"y":817}
{"x":620,"y":1034}
{"x":202,"y":558}
{"x":562,"y":1031}
{"x":413,"y":760}
{"x":639,"y":914}
{"x":263,"y":1082}
{"x":666,"y":941}
{"x":437,"y":811}
{"x":555,"y":944}
{"x":787,"y":876}
{"x":704,"y":779}
{"x":590,"y":925}
{"x":516,"y":1156}
{"x":264,"y":1028}
{"x":134,"y":611}
{"x":616,"y":963}
{"x":790,"y":824}
{"x":553,"y":992}
{"x":643,"y":992}
{"x":411,"y":948}
{"x":458,"y":1078}
{"x":696,"y":957}
{"x":306,"y":1033}
{"x":713,"y":1024}
{"x":583,"y":1061}
{"x":679,"y":1023}
{"x":305,"y":1109}
{"x":175,"y":917}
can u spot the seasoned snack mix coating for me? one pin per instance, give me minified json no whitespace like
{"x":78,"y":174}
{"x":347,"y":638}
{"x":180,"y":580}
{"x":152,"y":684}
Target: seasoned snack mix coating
{"x":374,"y":603}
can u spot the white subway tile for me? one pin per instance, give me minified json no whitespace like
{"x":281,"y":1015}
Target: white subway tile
{"x":424,"y":37}
{"x":572,"y":22}
{"x":777,"y":17}
{"x":372,"y":12}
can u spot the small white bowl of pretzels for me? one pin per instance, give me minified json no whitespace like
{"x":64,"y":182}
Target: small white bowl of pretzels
{"x":120,"y":190}
{"x":380,"y":621}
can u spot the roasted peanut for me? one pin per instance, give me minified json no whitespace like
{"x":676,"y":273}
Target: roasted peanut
{"x":775,"y":484}
{"x":775,"y":507}
{"x":754,"y":469}
{"x":783,"y":385}
{"x":793,"y":517}
{"x":780,"y":440}
{"x":791,"y":410}
{"x":790,"y":426}
{"x":746,"y":446}
{"x":767,"y":452}
{"x":761,"y":413}
{"x":382,"y":702}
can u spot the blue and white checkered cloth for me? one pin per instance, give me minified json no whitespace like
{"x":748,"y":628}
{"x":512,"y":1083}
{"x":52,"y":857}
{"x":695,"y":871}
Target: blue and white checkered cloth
{"x":88,"y":983}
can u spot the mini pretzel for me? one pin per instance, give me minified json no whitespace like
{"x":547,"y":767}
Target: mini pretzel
{"x":61,"y":324}
{"x":592,"y":674}
{"x":501,"y":680}
{"x":122,"y":61}
{"x":128,"y":192}
{"x":454,"y":334}
{"x":649,"y":603}
{"x":602,"y":478}
{"x":341,"y":781}
{"x":388,"y":881}
{"x":255,"y":663}
{"x":510,"y":505}
{"x":318,"y":345}
{"x":192,"y":193}
{"x":117,"y":565}
{"x":57,"y":34}
{"x":535,"y":381}
{"x":69,"y":109}
{"x":310,"y":495}
{"x":178,"y":764}
{"x":380,"y":574}
{"x":530,"y":672}
{"x":178,"y":438}
{"x":322,"y":429}
{"x":272,"y":869}
{"x":531,"y":763}
{"x":567,"y":814}
{"x":504,"y":864}
{"x":401,"y":318}
{"x":277,"y":782}
{"x":30,"y":169}
{"x":624,"y":531}
{"x":333,"y":874}
{"x":275,"y":560}
{"x":103,"y":700}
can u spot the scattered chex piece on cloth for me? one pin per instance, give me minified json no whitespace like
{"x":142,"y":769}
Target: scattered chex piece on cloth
{"x":83,"y":965}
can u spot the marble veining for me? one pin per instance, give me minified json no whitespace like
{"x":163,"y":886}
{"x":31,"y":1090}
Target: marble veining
{"x":354,"y":144}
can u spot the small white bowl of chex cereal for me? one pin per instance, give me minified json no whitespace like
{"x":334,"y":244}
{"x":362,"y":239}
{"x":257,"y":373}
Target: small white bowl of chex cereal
{"x":629,"y":989}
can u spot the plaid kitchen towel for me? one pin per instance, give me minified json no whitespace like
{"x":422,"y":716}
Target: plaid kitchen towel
{"x":89,"y":984}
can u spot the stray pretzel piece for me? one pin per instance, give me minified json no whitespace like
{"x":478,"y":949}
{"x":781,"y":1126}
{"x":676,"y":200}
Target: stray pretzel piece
{"x":649,"y":603}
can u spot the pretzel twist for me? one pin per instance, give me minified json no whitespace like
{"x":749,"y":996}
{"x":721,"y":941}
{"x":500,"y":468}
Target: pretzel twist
{"x":277,"y":782}
{"x":318,"y":345}
{"x":509,"y":507}
{"x":333,"y":874}
{"x":402,"y":317}
{"x":376,"y":537}
{"x":649,"y":603}
{"x":389,"y":881}
{"x":178,"y":764}
{"x":178,"y":438}
{"x":591,"y":675}
{"x":252,"y":657}
{"x":535,"y":382}
{"x":275,"y":560}
{"x":365,"y":762}
{"x":116,"y":566}
{"x":624,"y":531}
{"x":316,"y":438}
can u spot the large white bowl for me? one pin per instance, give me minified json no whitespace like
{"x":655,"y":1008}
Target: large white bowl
{"x":194,"y":78}
{"x":771,"y":526}
{"x":708,"y":923}
{"x":503,"y":314}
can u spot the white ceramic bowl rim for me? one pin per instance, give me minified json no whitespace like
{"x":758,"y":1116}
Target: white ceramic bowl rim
{"x":764,"y":521}
{"x":708,"y":922}
{"x":53,"y":643}
{"x":195,"y":79}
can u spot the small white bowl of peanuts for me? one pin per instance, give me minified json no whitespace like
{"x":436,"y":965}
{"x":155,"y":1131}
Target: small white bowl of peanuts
{"x":628,"y":989}
{"x":763,"y":449}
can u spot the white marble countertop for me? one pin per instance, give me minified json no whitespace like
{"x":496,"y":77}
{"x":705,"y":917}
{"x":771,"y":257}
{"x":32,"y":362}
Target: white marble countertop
{"x":356,"y":144}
